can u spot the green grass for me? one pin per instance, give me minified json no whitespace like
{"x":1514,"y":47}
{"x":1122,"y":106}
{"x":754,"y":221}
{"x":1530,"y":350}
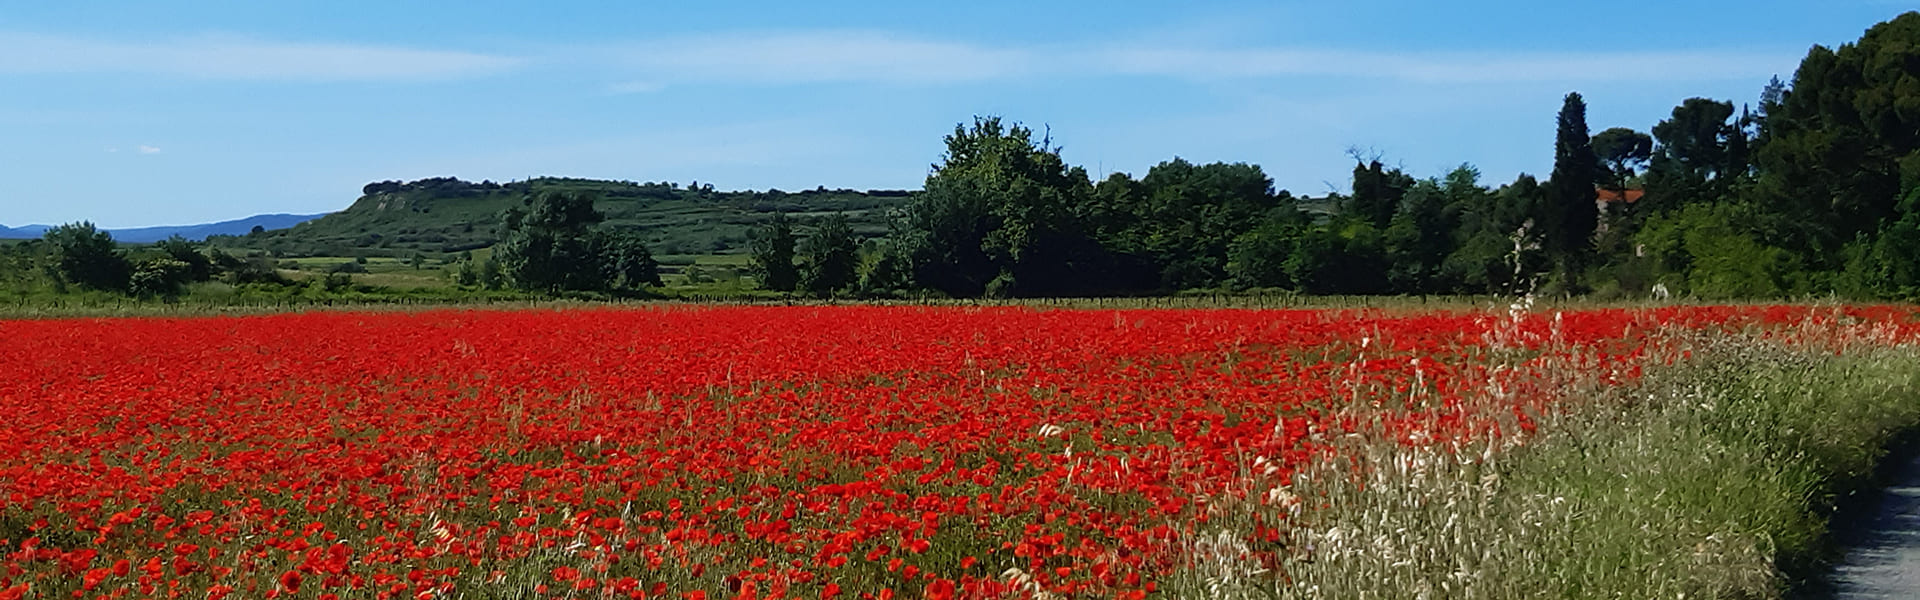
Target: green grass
{"x":1714,"y":478}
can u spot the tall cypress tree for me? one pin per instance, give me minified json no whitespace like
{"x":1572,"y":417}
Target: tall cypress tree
{"x":1572,"y":214}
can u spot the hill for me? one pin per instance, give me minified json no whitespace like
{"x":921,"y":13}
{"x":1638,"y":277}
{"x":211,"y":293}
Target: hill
{"x":147,"y":235}
{"x":141,"y":235}
{"x":444,"y":215}
{"x":23,"y":232}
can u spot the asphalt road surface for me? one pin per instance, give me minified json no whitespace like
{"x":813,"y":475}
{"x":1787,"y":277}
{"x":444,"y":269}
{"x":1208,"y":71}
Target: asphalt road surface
{"x":1882,"y":559}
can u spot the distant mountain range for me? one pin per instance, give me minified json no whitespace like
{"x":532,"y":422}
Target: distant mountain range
{"x":142,"y":235}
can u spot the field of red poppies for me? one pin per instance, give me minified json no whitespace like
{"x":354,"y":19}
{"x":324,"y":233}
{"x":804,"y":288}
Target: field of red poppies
{"x":807,"y":452}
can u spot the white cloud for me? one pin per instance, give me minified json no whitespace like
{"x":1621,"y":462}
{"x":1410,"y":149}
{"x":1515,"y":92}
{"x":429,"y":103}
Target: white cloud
{"x":635,"y":87}
{"x":839,"y":56}
{"x":820,"y":56}
{"x":871,"y":57}
{"x":145,"y":149}
{"x":240,"y":58}
{"x":1443,"y":67}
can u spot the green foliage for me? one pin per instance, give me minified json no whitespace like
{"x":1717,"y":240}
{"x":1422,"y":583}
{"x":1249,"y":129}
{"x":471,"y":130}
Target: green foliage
{"x":1571,"y":216}
{"x":625,"y":261}
{"x":1498,"y":247}
{"x":1258,"y":258}
{"x":546,"y":247}
{"x":551,"y":246}
{"x":23,"y":268}
{"x":478,"y":272}
{"x":443,"y":216}
{"x":199,"y":266}
{"x":235,"y":270}
{"x":1622,"y":153}
{"x":1000,"y":207}
{"x":1889,"y":265}
{"x":1697,"y":158}
{"x":1376,"y":193}
{"x":1832,"y":151}
{"x":888,"y":272}
{"x":1420,"y":236}
{"x":1712,"y":251}
{"x":771,"y":254}
{"x":159,"y":277}
{"x":86,"y":256}
{"x":1185,"y":218}
{"x":829,"y":258}
{"x":1348,"y":259}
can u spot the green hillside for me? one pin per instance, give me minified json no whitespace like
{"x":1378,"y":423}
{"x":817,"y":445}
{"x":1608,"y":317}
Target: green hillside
{"x":441,"y":216}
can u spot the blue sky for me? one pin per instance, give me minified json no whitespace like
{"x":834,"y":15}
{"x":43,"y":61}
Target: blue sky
{"x":133,"y":114}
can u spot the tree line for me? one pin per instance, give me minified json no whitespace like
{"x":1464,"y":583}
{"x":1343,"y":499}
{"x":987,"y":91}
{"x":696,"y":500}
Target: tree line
{"x":81,"y":257}
{"x":1814,"y":190}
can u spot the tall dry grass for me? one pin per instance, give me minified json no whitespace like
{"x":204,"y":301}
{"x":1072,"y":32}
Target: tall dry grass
{"x":1712,"y":477}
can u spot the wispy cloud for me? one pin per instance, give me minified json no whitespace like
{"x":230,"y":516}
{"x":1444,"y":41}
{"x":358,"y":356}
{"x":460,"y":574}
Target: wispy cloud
{"x":635,"y":87}
{"x":144,"y":149}
{"x":838,"y":56}
{"x":240,"y":58}
{"x":819,"y":57}
{"x":869,"y":57}
{"x":789,"y":150}
{"x":1442,"y":67}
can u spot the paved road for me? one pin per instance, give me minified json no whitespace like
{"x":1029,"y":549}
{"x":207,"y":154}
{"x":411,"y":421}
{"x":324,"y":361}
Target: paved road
{"x":1883,"y":560}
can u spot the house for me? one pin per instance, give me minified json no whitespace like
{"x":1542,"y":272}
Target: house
{"x":1605,"y":198}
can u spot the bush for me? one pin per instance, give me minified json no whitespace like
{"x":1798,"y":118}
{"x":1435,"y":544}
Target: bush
{"x":87,"y":257}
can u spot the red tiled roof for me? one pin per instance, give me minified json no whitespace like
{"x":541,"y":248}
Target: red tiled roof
{"x":1629,"y":196}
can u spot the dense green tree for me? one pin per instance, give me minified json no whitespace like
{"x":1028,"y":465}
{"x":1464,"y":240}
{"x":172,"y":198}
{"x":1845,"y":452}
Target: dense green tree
{"x":1258,"y":257}
{"x":1572,"y":215}
{"x":997,"y":215}
{"x":546,"y":246}
{"x":1889,"y":265}
{"x":829,"y":257}
{"x":468,"y":275}
{"x":1695,"y":159}
{"x":492,"y":275}
{"x":1115,"y":219}
{"x":1623,"y":152}
{"x":1843,"y":142}
{"x":1345,"y":258}
{"x":551,"y":245}
{"x":888,"y":273}
{"x":199,"y":267}
{"x":1499,"y":247}
{"x":770,"y":254}
{"x":626,"y":263}
{"x":1712,"y":250}
{"x":1187,"y":216}
{"x":255,"y":268}
{"x":1419,"y":238}
{"x":1377,"y":192}
{"x":1113,"y":215}
{"x":159,"y":277}
{"x":87,"y":256}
